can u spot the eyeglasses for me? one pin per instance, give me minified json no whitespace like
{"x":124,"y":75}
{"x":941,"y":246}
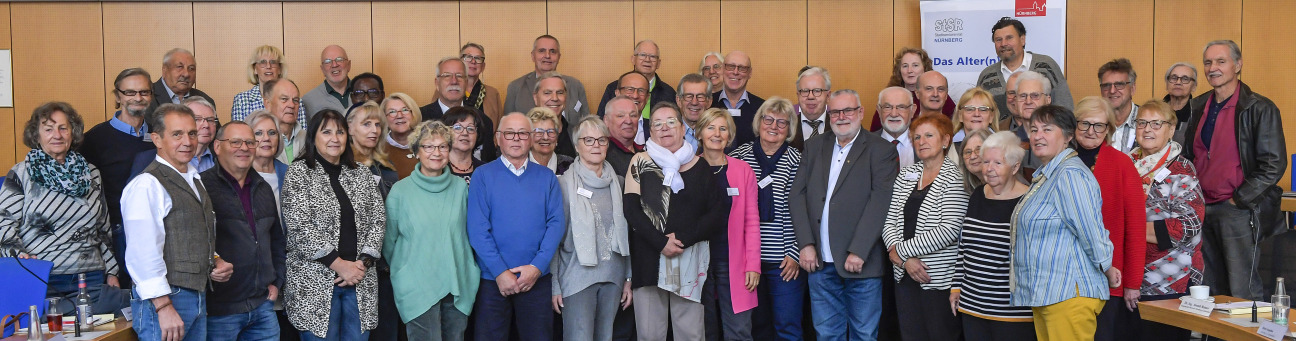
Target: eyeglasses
{"x":736,"y":67}
{"x":1180,"y":79}
{"x":888,"y":107}
{"x":327,"y":61}
{"x":544,"y":132}
{"x":402,"y":111}
{"x":847,"y":112}
{"x":669,"y":123}
{"x":712,"y":67}
{"x":459,"y":128}
{"x":239,"y":143}
{"x":649,"y":57}
{"x":434,"y":148}
{"x":1097,"y":127}
{"x":129,"y":93}
{"x":209,"y":120}
{"x":1034,"y":96}
{"x":370,"y":92}
{"x":267,"y":63}
{"x":594,"y":141}
{"x":969,"y":108}
{"x":779,"y":123}
{"x":515,"y":135}
{"x":1010,"y":93}
{"x":467,"y":58}
{"x":812,"y":92}
{"x":632,"y":90}
{"x":970,"y":152}
{"x":1118,"y":85}
{"x":694,"y":97}
{"x":263,"y":133}
{"x":458,"y":76}
{"x":1156,"y":124}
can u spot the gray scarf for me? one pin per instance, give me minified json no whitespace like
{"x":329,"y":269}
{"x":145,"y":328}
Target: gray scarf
{"x":582,"y":220}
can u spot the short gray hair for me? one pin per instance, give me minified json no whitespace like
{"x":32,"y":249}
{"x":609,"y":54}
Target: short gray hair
{"x":1008,"y":142}
{"x":199,"y":101}
{"x":1184,"y":64}
{"x":646,"y":41}
{"x":693,"y":78}
{"x":893,"y":88}
{"x":426,"y":130}
{"x":702,"y":63}
{"x":607,"y":106}
{"x":1234,"y":50}
{"x":506,"y":116}
{"x":846,"y":92}
{"x":812,"y":71}
{"x":157,"y":121}
{"x":443,"y":61}
{"x":1035,"y":76}
{"x":591,"y":121}
{"x":544,"y":76}
{"x":166,"y":58}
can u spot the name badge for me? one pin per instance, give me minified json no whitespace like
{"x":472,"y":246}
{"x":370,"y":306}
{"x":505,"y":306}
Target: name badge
{"x":1272,"y":331}
{"x":1196,"y":306}
{"x":735,"y":112}
{"x":765,"y":182}
{"x":578,"y":106}
{"x":911,"y":176}
{"x":126,"y":312}
{"x":1161,"y":174}
{"x":733,"y":192}
{"x":584,"y":193}
{"x":148,"y":137}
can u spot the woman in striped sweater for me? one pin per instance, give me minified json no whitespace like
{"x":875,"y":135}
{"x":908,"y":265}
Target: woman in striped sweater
{"x":922,"y":231}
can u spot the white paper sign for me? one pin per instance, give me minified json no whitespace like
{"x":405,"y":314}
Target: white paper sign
{"x":1196,"y":306}
{"x":1272,"y":331}
{"x":6,"y":79}
{"x":126,"y":312}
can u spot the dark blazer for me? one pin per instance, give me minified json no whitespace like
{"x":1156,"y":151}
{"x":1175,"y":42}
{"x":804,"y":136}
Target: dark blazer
{"x":799,"y":141}
{"x":160,"y":96}
{"x":485,"y":129}
{"x":742,"y":122}
{"x":860,"y":200}
{"x":662,"y":92}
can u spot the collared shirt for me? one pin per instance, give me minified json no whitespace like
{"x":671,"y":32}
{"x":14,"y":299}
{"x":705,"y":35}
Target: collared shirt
{"x":121,"y":126}
{"x":445,"y":108}
{"x":741,"y":100}
{"x":552,"y":164}
{"x":147,"y":203}
{"x":905,"y":148}
{"x":171,"y":95}
{"x":203,"y":162}
{"x":690,"y":135}
{"x":834,"y":170}
{"x":292,"y":143}
{"x":248,"y":101}
{"x":807,"y":129}
{"x":341,"y":97}
{"x":1125,"y":135}
{"x":519,"y":170}
{"x":1025,"y":65}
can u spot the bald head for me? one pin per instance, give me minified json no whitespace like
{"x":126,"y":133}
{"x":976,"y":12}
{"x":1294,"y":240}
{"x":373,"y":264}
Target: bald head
{"x":336,"y":66}
{"x":933,"y":91}
{"x":737,"y":71}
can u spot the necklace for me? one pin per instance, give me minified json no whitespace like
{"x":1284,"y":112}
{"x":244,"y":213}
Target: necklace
{"x":461,"y":170}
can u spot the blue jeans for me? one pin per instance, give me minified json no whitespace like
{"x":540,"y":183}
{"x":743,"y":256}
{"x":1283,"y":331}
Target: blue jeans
{"x":780,"y":303}
{"x":103,"y":299}
{"x":344,"y":319}
{"x":259,"y":324}
{"x":191,"y":305}
{"x":844,"y":306}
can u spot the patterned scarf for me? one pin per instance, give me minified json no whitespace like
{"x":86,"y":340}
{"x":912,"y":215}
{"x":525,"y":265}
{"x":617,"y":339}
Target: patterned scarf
{"x":1148,"y":165}
{"x":71,"y":178}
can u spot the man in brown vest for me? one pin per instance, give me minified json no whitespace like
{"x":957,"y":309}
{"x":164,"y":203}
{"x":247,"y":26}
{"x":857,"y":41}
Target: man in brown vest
{"x":170,"y":231}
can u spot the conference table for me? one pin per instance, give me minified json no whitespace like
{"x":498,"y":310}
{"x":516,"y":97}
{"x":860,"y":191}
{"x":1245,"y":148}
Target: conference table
{"x":119,"y":330}
{"x":1167,"y":312}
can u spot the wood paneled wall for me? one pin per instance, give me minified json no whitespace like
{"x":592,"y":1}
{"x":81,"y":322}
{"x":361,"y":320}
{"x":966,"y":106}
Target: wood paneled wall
{"x":72,"y":51}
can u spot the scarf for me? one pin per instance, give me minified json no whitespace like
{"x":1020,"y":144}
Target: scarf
{"x":71,"y":178}
{"x":766,"y":166}
{"x":670,"y":163}
{"x":583,"y":220}
{"x":1148,"y":165}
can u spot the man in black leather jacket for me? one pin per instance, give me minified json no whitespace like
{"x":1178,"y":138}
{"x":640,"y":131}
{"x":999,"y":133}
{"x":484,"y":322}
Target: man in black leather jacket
{"x":1235,"y":140}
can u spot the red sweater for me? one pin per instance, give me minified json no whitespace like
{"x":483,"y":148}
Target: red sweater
{"x":1124,"y":215}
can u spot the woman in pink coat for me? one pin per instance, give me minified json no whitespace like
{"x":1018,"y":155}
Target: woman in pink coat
{"x":735,"y":253}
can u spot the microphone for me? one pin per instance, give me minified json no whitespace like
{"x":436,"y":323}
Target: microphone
{"x":14,"y":253}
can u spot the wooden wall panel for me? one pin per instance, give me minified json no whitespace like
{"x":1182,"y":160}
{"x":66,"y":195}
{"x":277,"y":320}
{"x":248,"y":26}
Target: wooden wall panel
{"x":409,"y":40}
{"x":1090,"y":26}
{"x":851,"y":61}
{"x":1181,"y":32}
{"x":170,"y":26}
{"x":506,"y":29}
{"x":907,"y":28}
{"x":1266,"y":66}
{"x":777,"y":47}
{"x":226,"y":34}
{"x":57,"y":61}
{"x":597,"y":42}
{"x":348,"y":25}
{"x":684,"y":31}
{"x":7,"y":158}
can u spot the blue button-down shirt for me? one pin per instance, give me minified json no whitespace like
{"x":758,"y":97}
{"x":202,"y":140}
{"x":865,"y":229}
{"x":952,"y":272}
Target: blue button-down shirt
{"x":126,"y":128}
{"x":1060,"y":248}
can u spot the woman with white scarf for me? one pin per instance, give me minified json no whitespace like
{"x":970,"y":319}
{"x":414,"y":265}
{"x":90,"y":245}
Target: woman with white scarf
{"x":592,"y":267}
{"x":672,"y":206}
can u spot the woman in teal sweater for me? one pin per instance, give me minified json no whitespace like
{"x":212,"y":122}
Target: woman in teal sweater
{"x":434,"y":276}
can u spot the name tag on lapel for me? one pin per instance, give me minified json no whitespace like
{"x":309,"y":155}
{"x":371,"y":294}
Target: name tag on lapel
{"x":584,"y":193}
{"x":733,"y":192}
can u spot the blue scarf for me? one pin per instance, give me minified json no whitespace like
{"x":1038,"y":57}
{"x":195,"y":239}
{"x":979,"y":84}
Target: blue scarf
{"x":71,"y":178}
{"x":767,"y":165}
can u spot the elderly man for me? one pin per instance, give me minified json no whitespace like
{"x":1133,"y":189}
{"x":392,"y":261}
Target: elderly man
{"x":545,"y":54}
{"x":282,"y":100}
{"x":478,"y":95}
{"x":332,"y":93}
{"x":179,"y":75}
{"x":515,"y":222}
{"x":1009,"y":36}
{"x":838,"y":197}
{"x":932,"y":92}
{"x":694,"y":98}
{"x":551,"y":92}
{"x":734,"y":97}
{"x":1008,"y":118}
{"x":451,"y":78}
{"x":205,"y":116}
{"x":621,"y":116}
{"x":1181,"y":84}
{"x":1235,"y":137}
{"x":249,"y":236}
{"x":813,"y":85}
{"x":646,"y":59}
{"x":897,"y":111}
{"x":170,"y":235}
{"x":1116,"y":80}
{"x":1033,"y":91}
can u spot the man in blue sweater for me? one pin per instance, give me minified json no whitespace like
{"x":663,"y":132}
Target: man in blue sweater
{"x":515,"y":222}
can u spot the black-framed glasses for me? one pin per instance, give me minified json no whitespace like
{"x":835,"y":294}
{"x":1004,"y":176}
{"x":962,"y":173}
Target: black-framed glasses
{"x":632,"y":90}
{"x":1180,"y":79}
{"x":467,"y":58}
{"x":736,"y":67}
{"x":1097,"y":127}
{"x":694,"y":97}
{"x":239,"y":143}
{"x":370,"y":93}
{"x":328,"y":61}
{"x":434,"y":148}
{"x":129,"y":93}
{"x":594,"y":141}
{"x":515,"y":135}
{"x":1118,"y":85}
{"x":401,"y":111}
{"x":843,"y":112}
{"x":1155,"y":124}
{"x":461,"y":128}
{"x":649,"y":57}
{"x":812,"y":92}
{"x":777,"y":123}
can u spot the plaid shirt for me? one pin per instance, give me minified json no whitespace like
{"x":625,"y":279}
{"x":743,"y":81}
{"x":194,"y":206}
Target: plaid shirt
{"x":248,"y":101}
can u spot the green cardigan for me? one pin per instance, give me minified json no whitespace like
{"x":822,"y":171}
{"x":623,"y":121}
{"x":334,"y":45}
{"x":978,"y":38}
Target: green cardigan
{"x":427,"y":243}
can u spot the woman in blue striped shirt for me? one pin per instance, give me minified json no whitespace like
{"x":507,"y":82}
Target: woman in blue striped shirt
{"x":1060,"y":250}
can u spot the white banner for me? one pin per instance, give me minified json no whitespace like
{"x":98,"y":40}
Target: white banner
{"x":956,"y":34}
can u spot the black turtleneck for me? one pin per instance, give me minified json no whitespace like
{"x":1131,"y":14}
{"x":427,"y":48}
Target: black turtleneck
{"x":1089,"y":156}
{"x":347,"y":239}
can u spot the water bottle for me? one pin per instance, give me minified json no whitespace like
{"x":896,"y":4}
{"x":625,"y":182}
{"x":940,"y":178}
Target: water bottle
{"x":33,"y":327}
{"x":83,"y":312}
{"x":1281,"y":303}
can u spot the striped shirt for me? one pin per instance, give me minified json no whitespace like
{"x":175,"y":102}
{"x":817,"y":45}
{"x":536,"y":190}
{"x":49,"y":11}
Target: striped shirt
{"x":1060,"y":248}
{"x":981,"y":274}
{"x":777,"y":238}
{"x":936,"y":234}
{"x":71,"y":232}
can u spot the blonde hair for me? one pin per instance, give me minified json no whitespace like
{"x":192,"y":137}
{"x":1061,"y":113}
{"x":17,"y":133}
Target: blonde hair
{"x":986,"y":97}
{"x":409,"y":103}
{"x":1092,"y":105}
{"x":261,"y":115}
{"x":427,"y":130}
{"x":366,"y":111}
{"x":538,"y":114}
{"x":776,"y":104}
{"x":711,"y":115}
{"x":256,"y":56}
{"x":1163,"y":108}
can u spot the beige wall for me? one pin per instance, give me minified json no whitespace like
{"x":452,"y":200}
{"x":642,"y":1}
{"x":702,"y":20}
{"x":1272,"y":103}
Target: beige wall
{"x":72,"y":51}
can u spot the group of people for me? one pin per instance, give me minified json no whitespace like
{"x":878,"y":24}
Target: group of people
{"x":699,"y":211}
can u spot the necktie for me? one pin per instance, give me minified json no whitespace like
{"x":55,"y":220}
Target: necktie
{"x":814,"y":127}
{"x":896,"y":143}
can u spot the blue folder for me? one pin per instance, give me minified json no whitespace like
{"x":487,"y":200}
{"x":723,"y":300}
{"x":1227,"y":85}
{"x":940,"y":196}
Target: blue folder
{"x":19,"y":290}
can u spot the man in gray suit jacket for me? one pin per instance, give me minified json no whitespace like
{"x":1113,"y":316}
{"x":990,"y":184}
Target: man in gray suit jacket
{"x":838,"y":202}
{"x":545,"y":52}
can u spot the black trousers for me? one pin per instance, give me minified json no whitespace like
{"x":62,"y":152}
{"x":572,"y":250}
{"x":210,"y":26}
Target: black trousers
{"x":979,"y":329}
{"x":925,"y":314}
{"x":1115,"y":322}
{"x":389,"y":327}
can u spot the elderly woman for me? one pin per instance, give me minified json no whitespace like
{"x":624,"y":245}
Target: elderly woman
{"x":969,"y":152}
{"x":735,"y":250}
{"x":592,"y":266}
{"x":1181,"y":83}
{"x":673,"y":206}
{"x":265,"y":64}
{"x":467,"y":139}
{"x":368,"y":125}
{"x":54,"y":210}
{"x":335,"y":219}
{"x":910,"y":63}
{"x":265,"y":129}
{"x":1175,"y":207}
{"x":402,"y":114}
{"x":1061,"y":258}
{"x":921,"y":233}
{"x":712,"y":66}
{"x":977,"y":292}
{"x":427,"y":241}
{"x":546,"y":129}
{"x":770,"y":157}
{"x":976,"y":110}
{"x":1123,"y":204}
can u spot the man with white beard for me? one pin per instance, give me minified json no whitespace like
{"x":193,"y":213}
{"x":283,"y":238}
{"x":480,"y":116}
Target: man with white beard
{"x":897,"y":108}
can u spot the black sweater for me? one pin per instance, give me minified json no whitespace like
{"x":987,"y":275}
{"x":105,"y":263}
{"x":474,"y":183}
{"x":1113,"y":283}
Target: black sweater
{"x":696,"y":213}
{"x":112,"y":151}
{"x":257,"y":250}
